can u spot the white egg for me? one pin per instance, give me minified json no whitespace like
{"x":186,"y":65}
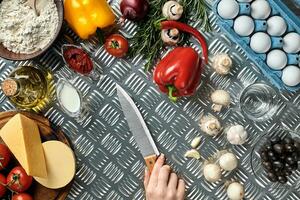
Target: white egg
{"x":260,"y":9}
{"x":277,"y":59}
{"x":243,"y":25}
{"x":260,"y":42}
{"x":228,"y":9}
{"x":276,"y":26}
{"x":244,"y":1}
{"x":291,"y":75}
{"x":291,"y":43}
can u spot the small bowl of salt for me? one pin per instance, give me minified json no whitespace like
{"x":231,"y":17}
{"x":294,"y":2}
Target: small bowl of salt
{"x":69,"y":98}
{"x":24,"y":34}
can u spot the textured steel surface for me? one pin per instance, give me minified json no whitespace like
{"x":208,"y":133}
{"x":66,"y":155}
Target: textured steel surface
{"x":109,"y":165}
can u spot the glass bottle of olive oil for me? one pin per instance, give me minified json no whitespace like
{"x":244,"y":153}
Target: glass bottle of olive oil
{"x":29,"y":88}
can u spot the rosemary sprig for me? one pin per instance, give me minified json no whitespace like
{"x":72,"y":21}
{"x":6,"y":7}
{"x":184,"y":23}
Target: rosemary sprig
{"x":147,"y":40}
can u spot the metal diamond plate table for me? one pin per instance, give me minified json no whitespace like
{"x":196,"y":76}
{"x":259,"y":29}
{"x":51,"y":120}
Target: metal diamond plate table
{"x":109,"y":165}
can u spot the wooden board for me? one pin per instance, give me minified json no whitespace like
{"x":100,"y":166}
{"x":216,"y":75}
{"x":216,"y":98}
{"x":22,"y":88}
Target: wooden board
{"x":38,"y":191}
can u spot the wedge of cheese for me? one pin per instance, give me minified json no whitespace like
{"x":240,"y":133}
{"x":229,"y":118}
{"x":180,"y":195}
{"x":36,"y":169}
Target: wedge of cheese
{"x":22,"y":137}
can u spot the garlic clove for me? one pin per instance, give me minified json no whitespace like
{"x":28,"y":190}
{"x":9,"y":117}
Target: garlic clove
{"x":192,"y":154}
{"x":195,"y":142}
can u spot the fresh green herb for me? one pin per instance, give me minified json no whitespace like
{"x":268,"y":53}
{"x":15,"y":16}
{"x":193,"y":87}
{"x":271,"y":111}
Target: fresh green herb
{"x":147,"y":40}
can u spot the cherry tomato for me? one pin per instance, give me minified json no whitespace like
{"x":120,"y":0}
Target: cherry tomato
{"x":2,"y":185}
{"x":18,"y":180}
{"x":5,"y":156}
{"x":116,"y":45}
{"x":22,"y":196}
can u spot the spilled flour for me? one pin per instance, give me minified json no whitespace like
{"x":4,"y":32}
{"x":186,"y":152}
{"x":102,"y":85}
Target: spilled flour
{"x":21,"y":31}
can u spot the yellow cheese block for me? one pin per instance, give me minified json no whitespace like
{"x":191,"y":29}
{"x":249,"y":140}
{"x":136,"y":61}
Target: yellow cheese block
{"x":22,"y":137}
{"x":60,"y":163}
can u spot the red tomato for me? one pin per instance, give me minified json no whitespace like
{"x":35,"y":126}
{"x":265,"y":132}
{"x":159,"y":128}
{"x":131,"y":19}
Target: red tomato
{"x":22,"y":196}
{"x":116,"y":45}
{"x":2,"y":185}
{"x":18,"y":180}
{"x":5,"y":156}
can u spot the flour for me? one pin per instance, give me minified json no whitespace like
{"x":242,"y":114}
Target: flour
{"x":21,"y":31}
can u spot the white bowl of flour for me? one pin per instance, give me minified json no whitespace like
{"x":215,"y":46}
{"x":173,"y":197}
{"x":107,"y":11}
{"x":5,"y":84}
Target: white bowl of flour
{"x":23,"y":34}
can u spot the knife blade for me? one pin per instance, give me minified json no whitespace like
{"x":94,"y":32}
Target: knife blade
{"x":138,"y":128}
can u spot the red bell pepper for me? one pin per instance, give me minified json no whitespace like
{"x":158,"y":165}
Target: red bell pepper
{"x":179,"y":72}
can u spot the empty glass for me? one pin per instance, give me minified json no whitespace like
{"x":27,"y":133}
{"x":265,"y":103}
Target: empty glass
{"x":259,"y":102}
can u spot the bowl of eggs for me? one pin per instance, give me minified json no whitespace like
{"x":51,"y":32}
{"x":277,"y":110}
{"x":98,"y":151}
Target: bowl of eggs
{"x":275,"y":159}
{"x":270,"y":35}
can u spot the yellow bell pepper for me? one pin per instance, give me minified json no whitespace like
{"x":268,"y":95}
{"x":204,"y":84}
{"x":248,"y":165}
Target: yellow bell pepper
{"x":85,"y":16}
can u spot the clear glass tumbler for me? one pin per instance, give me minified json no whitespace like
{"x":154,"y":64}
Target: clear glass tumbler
{"x":259,"y":102}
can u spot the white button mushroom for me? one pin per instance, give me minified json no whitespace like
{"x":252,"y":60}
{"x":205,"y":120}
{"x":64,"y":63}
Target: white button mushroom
{"x":212,"y":172}
{"x":236,"y":135}
{"x":170,"y":36}
{"x":172,"y":10}
{"x":235,"y":191}
{"x":220,"y":98}
{"x":222,"y":63}
{"x":228,"y":161}
{"x":210,"y":125}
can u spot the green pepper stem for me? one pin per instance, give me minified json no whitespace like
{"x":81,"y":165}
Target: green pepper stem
{"x":157,"y":23}
{"x":170,"y":93}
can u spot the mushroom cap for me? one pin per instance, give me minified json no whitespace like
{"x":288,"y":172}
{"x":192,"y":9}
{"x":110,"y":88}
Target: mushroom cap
{"x":222,"y":63}
{"x":212,"y":172}
{"x":235,"y":191}
{"x":172,"y":10}
{"x":228,"y":161}
{"x":210,"y":125}
{"x":221,"y":97}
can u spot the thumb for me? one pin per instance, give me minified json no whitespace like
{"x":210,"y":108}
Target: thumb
{"x":146,"y":178}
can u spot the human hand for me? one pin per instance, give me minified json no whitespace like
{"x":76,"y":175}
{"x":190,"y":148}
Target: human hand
{"x":163,"y":184}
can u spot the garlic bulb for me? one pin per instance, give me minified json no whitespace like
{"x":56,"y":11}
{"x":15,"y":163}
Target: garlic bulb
{"x":222,"y":63}
{"x":212,"y":172}
{"x":228,"y":161}
{"x":220,"y":98}
{"x":170,"y":36}
{"x":235,"y":191}
{"x":172,"y":10}
{"x":210,"y":125}
{"x":236,"y":135}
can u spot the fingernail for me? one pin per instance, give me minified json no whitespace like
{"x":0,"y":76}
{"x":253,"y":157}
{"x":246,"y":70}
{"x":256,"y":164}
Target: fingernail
{"x":162,"y":156}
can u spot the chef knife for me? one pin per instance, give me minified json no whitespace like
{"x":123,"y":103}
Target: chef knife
{"x":138,"y":128}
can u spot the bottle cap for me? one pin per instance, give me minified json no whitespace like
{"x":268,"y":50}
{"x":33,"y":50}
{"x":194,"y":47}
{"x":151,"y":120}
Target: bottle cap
{"x":9,"y":87}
